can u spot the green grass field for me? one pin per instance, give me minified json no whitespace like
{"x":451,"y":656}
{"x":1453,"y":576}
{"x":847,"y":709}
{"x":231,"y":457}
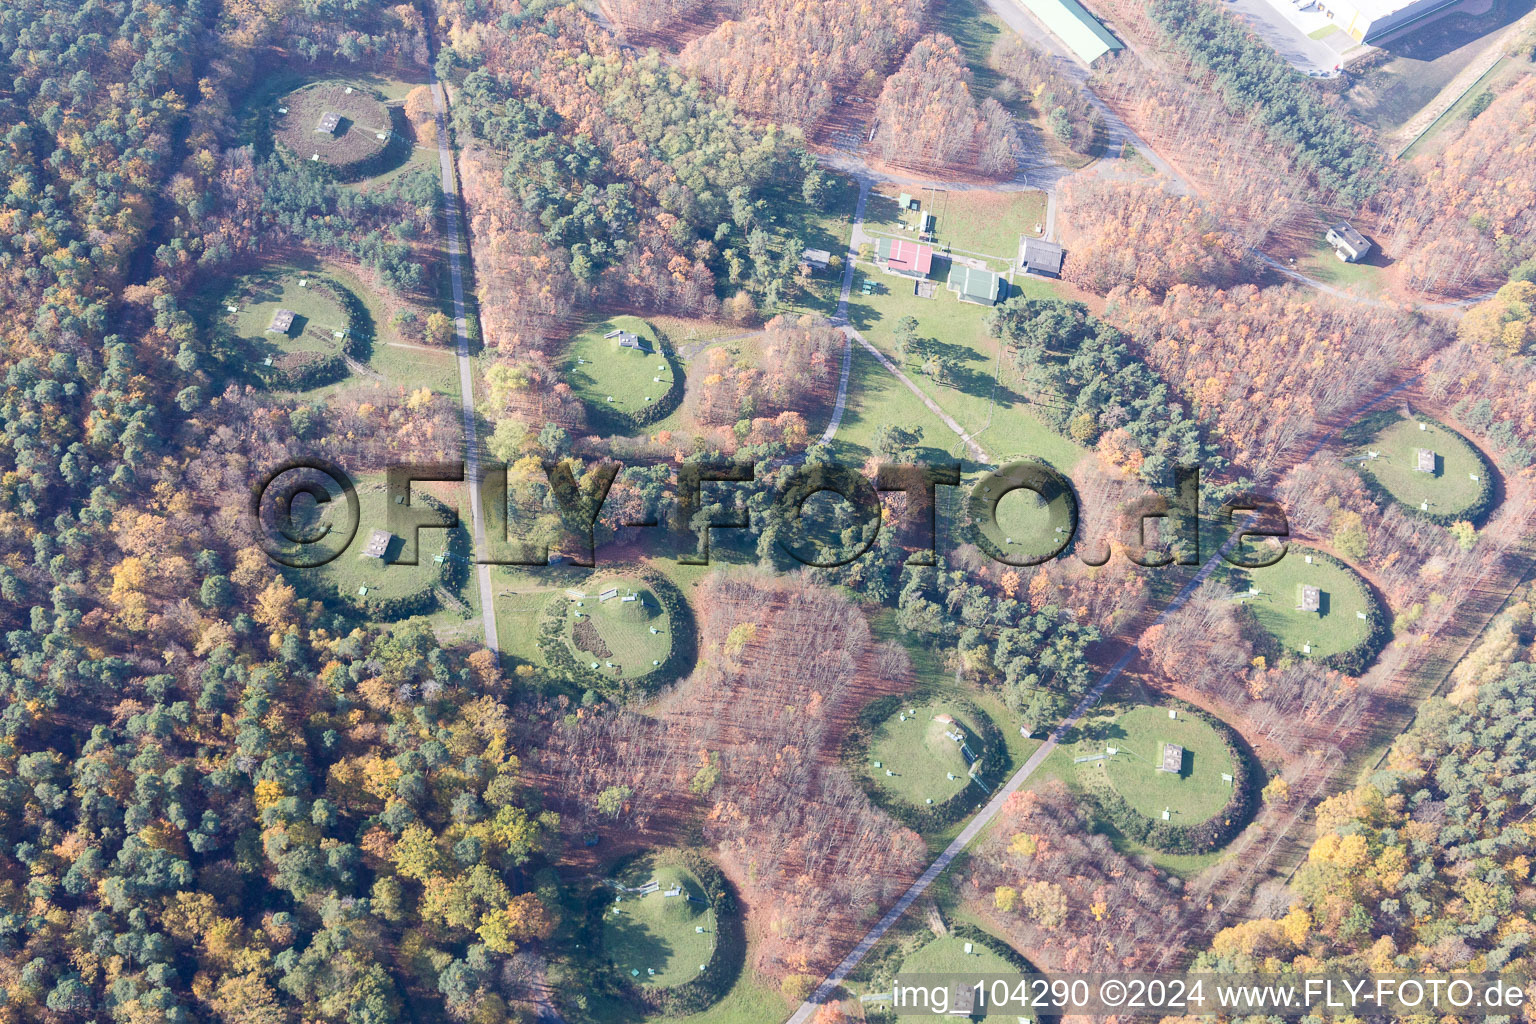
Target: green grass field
{"x":919,"y":754}
{"x":622,"y":380}
{"x":947,"y":955}
{"x":400,"y":361}
{"x":349,"y":572}
{"x":983,"y":394}
{"x":1191,"y":796}
{"x":1337,"y":627}
{"x":1447,"y":491}
{"x":1060,"y":766}
{"x":657,"y":939}
{"x":977,"y":223}
{"x":257,"y":296}
{"x":1364,"y":278}
{"x":517,"y":623}
{"x":629,"y":636}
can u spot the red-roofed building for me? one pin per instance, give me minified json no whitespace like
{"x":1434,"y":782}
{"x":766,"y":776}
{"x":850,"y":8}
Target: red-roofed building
{"x":899,"y":256}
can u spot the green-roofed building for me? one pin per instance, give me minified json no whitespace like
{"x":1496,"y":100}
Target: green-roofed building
{"x":974,"y":285}
{"x":1070,"y":22}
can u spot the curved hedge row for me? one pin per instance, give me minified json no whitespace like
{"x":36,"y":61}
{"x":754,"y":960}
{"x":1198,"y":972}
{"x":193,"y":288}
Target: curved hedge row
{"x":994,"y":755}
{"x":719,"y":975}
{"x":623,"y":423}
{"x":315,"y":372}
{"x":682,"y":653}
{"x":1357,"y":659}
{"x":1211,"y":834}
{"x":1474,"y":513}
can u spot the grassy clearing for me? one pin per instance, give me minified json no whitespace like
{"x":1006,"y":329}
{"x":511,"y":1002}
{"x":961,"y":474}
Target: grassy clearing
{"x":923,"y":761}
{"x":363,"y":117}
{"x":253,"y":300}
{"x":656,"y":939}
{"x":622,"y":637}
{"x":1449,"y":490}
{"x":388,"y":578}
{"x":402,"y":362}
{"x":517,"y":623}
{"x":877,"y":398}
{"x":1337,"y":627}
{"x":947,"y":955}
{"x":1366,"y":278}
{"x":607,"y":376}
{"x":1192,"y":795}
{"x":1059,"y":766}
{"x":988,"y":223}
{"x":983,"y":393}
{"x":973,"y":222}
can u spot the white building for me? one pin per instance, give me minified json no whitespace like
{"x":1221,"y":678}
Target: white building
{"x":1370,"y":20}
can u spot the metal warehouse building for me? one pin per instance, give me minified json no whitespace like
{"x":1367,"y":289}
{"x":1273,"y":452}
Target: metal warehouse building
{"x":1070,"y":22}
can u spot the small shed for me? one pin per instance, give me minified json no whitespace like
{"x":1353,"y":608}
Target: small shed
{"x":329,"y":122}
{"x":906,"y":202}
{"x":282,"y":322}
{"x":815,"y":259}
{"x":1308,"y":599}
{"x":378,"y":545}
{"x":964,"y":1002}
{"x":608,"y":595}
{"x":1426,"y":461}
{"x":629,"y":339}
{"x":1037,"y":256}
{"x":1173,"y":758}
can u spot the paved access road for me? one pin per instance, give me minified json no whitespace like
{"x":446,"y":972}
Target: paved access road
{"x":453,"y":216}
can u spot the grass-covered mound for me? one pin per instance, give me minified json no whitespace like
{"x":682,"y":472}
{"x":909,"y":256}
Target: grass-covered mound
{"x":914,"y":753}
{"x":946,"y":955}
{"x":1195,"y":793}
{"x":1459,"y":486}
{"x":636,"y":639}
{"x":909,"y":762}
{"x":644,"y":952}
{"x":1129,"y":788}
{"x":655,"y":938}
{"x":364,"y":134}
{"x":385,"y":588}
{"x":1347,"y":629}
{"x":618,"y":627}
{"x":308,"y":350}
{"x":626,"y":385}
